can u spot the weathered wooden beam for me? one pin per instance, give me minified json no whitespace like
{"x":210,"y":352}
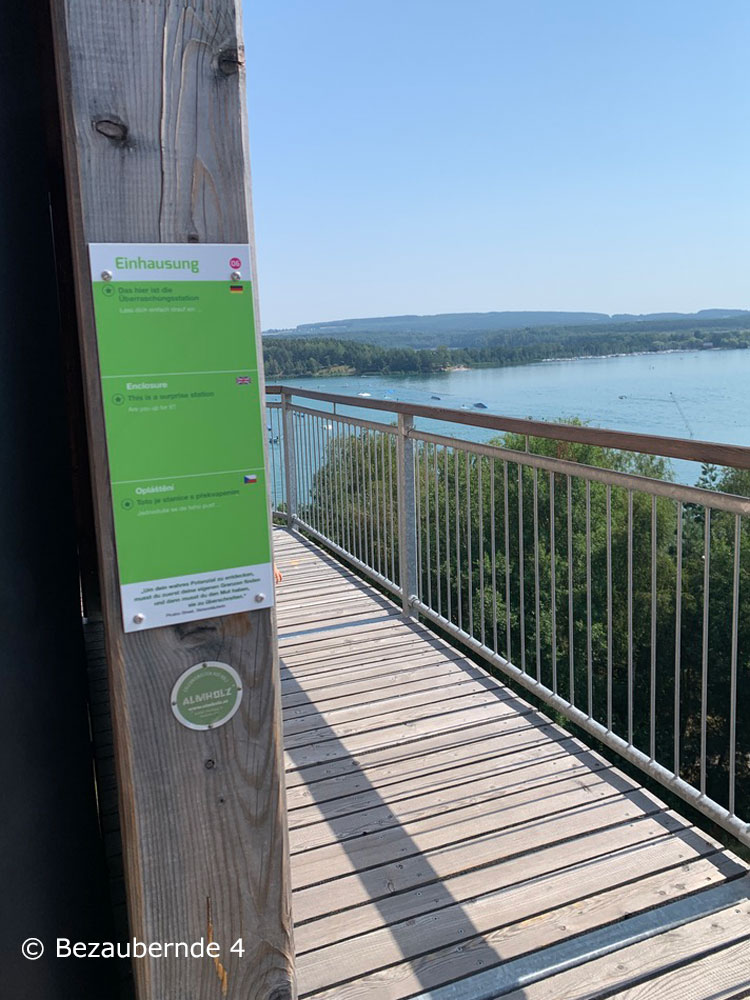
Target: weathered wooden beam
{"x":153,"y":113}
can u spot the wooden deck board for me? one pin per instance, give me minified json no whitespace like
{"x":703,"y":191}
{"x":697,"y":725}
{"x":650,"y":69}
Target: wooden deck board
{"x":450,"y":842}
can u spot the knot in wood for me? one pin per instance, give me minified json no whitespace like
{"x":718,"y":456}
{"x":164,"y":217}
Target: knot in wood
{"x":229,"y":61}
{"x":112,"y":128}
{"x":283,"y":992}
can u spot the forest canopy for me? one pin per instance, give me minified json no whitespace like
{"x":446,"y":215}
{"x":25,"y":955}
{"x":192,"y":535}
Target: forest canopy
{"x":297,"y":356}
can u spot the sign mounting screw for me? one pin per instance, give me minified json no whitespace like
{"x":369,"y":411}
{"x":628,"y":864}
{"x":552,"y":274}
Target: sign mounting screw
{"x":106,"y":275}
{"x":139,"y":619}
{"x":259,"y":598}
{"x":236,"y":276}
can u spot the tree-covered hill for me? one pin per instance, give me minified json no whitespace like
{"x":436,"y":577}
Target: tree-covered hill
{"x":472,"y":329}
{"x":289,"y":356}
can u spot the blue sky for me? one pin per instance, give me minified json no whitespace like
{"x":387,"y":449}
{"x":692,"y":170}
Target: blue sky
{"x":422,"y":157}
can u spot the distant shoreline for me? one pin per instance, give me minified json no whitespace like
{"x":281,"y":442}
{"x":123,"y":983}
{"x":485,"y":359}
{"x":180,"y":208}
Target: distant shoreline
{"x":349,"y":372}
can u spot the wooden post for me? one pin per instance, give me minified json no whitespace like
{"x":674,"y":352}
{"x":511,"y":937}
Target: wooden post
{"x":407,"y":515}
{"x":152,"y":96}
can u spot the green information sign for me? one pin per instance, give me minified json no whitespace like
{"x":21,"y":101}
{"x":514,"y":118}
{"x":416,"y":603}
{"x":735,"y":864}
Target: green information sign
{"x":184,"y":421}
{"x":207,"y":695}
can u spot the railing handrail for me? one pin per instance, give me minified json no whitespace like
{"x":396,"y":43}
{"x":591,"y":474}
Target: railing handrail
{"x":715,"y":453}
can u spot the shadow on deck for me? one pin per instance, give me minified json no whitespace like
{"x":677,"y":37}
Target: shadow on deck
{"x":450,"y":841}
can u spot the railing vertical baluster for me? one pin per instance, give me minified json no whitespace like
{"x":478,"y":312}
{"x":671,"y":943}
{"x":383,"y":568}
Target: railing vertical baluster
{"x":537,"y":605}
{"x":407,"y":514}
{"x":369,"y":504}
{"x":521,"y":579}
{"x":733,"y":663}
{"x":325,"y":464}
{"x":630,"y":617}
{"x":435,"y":478}
{"x":290,"y":466}
{"x":493,"y":555}
{"x":427,"y":525}
{"x":271,"y":457}
{"x":382,"y":520}
{"x":365,"y":494}
{"x":589,"y":657}
{"x":469,"y":560}
{"x":309,"y":492}
{"x":371,"y":519}
{"x":315,"y":479}
{"x":459,"y":582}
{"x":340,"y":512}
{"x":480,"y":501}
{"x":325,"y":458}
{"x":346,"y":484}
{"x":362,"y":491}
{"x":376,"y":439}
{"x":298,"y":461}
{"x":393,"y":527}
{"x":448,"y":576}
{"x":678,"y":642}
{"x":571,"y":630}
{"x":354,"y":491}
{"x":652,"y":706}
{"x":609,"y":607}
{"x":418,"y":509}
{"x":553,"y":578}
{"x":704,"y":650}
{"x":506,"y":532}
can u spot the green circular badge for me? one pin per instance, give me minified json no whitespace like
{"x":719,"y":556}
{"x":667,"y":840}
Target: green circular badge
{"x":207,"y":695}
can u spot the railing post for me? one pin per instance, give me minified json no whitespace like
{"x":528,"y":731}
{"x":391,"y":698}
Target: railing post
{"x":290,"y":466}
{"x":407,"y":514}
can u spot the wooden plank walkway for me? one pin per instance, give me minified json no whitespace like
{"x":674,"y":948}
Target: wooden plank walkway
{"x":448,"y":841}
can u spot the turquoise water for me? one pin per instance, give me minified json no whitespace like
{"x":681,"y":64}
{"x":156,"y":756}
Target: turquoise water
{"x":702,"y":395}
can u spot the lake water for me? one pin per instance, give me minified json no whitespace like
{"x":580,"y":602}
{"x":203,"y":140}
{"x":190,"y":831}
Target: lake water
{"x":702,"y":395}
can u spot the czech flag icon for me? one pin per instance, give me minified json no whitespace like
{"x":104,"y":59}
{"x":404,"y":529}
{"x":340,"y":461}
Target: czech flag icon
{"x":250,"y":479}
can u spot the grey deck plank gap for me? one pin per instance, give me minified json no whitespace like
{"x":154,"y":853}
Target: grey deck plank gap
{"x":665,"y":903}
{"x":505,"y":872}
{"x":450,"y":794}
{"x":392,"y":754}
{"x":316,"y":602}
{"x":309,"y":611}
{"x":402,"y":864}
{"x":498,"y":912}
{"x":442,"y":719}
{"x":441,"y":802}
{"x":461,"y":770}
{"x":352,"y":694}
{"x":350,"y":684}
{"x":655,"y":949}
{"x":404,"y":735}
{"x":343,"y":658}
{"x":725,"y":969}
{"x":371,"y":712}
{"x":314,"y":630}
{"x":540,"y":772}
{"x":519,"y":841}
{"x":290,"y":645}
{"x":348,"y":653}
{"x":485,"y":747}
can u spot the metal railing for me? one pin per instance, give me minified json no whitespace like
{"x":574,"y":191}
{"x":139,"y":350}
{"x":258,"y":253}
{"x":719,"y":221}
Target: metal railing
{"x":563,"y":555}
